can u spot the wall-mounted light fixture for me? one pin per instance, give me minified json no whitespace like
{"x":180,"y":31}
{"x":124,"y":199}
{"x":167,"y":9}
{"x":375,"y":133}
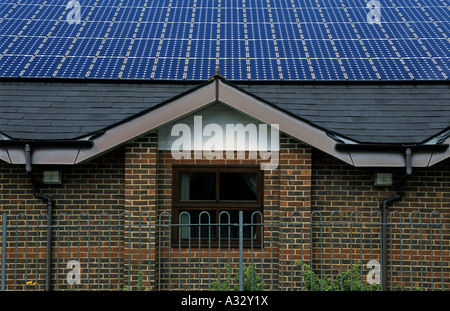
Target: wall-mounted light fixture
{"x":382,"y":179}
{"x":52,"y":177}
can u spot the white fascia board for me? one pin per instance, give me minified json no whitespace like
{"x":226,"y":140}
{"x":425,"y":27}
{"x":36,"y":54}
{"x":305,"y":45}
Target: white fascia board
{"x":4,"y":156}
{"x":437,"y":157}
{"x":43,"y":155}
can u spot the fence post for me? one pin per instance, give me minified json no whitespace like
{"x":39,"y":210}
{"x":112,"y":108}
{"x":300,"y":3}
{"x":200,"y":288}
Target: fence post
{"x":241,"y":250}
{"x":4,"y":224}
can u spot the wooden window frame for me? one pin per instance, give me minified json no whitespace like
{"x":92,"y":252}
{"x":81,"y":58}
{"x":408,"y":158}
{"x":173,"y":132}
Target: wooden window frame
{"x":216,"y":205}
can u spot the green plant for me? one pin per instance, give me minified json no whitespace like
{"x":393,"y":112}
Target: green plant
{"x":350,"y":280}
{"x":251,"y":280}
{"x":216,"y":286}
{"x":140,"y":286}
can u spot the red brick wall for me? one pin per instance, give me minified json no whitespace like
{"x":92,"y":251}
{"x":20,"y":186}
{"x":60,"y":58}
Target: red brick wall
{"x":133,"y":185}
{"x":346,"y":194}
{"x":94,"y":188}
{"x":141,"y":210}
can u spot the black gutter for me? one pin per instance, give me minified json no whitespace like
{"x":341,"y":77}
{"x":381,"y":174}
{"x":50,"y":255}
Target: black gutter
{"x":397,"y":147}
{"x":47,"y":143}
{"x":384,"y":206}
{"x":49,"y":201}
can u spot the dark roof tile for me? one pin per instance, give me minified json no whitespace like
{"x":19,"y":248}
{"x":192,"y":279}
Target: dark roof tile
{"x":368,"y":113}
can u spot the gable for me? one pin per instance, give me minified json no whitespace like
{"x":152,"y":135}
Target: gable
{"x":203,"y":123}
{"x":216,"y":91}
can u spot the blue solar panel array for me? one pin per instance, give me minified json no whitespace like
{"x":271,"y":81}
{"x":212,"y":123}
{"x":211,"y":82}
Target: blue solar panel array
{"x":244,"y":39}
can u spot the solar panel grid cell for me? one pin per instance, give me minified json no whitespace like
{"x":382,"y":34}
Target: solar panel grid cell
{"x":25,"y":45}
{"x":42,"y":66}
{"x":85,"y":47}
{"x":103,"y":13}
{"x":114,"y":47}
{"x":232,"y":49}
{"x":154,"y":14}
{"x":422,"y":68}
{"x":122,"y":30}
{"x":437,"y":14}
{"x":5,"y":41}
{"x":391,"y":69}
{"x":350,"y":48}
{"x":50,"y":12}
{"x":327,"y":69}
{"x":74,"y":67}
{"x":13,"y":64}
{"x":295,"y":69}
{"x":359,"y":69}
{"x":197,"y":66}
{"x":12,"y":27}
{"x":437,"y":47}
{"x":127,"y":14}
{"x":144,"y":48}
{"x":342,"y":31}
{"x":291,"y":49}
{"x":55,"y":46}
{"x":106,"y":67}
{"x":410,"y":48}
{"x":138,"y":68}
{"x":170,"y":68}
{"x":24,"y":11}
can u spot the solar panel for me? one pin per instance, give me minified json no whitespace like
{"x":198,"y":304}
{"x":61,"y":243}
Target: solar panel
{"x":327,"y":69}
{"x":295,"y":69}
{"x":422,"y":68}
{"x":138,"y":68}
{"x":359,"y":69}
{"x":42,"y":66}
{"x":246,"y":39}
{"x":11,"y":66}
{"x":73,"y":67}
{"x":106,"y":67}
{"x":55,"y":46}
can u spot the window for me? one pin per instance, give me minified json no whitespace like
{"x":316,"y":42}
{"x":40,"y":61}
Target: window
{"x":207,"y":201}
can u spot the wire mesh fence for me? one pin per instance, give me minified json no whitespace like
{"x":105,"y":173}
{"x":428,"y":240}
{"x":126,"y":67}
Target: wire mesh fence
{"x":270,"y":251}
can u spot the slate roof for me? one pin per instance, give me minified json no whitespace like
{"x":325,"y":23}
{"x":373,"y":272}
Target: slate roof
{"x":61,"y":111}
{"x":366,"y":112}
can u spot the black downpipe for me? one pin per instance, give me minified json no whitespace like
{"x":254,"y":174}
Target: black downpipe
{"x":49,"y":202}
{"x":384,"y":206}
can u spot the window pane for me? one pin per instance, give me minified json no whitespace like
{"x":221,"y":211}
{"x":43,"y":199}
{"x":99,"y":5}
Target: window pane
{"x":197,"y":186}
{"x":238,"y":186}
{"x":193,"y":223}
{"x":229,"y":224}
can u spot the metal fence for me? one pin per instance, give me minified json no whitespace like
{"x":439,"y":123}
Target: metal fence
{"x":274,"y":251}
